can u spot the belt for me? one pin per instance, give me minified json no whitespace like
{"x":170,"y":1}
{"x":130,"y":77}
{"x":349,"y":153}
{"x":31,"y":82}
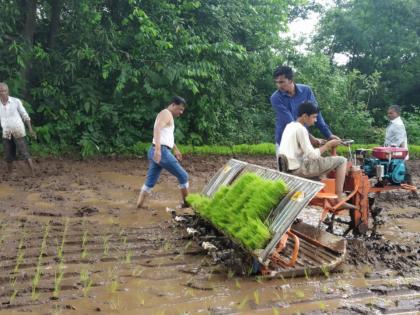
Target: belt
{"x":162,"y":145}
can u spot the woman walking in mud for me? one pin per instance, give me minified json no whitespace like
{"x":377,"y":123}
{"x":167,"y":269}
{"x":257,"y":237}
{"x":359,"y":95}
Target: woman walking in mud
{"x":160,"y":153}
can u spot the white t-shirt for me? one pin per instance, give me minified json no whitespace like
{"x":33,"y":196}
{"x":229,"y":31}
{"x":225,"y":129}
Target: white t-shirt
{"x":296,"y":146}
{"x":167,"y":133}
{"x":12,"y":116}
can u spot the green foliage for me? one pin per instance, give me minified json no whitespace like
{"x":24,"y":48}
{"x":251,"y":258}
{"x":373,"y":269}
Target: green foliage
{"x":412,"y":126}
{"x":342,"y":97}
{"x":97,"y":78}
{"x":378,"y":36}
{"x":240,"y":209}
{"x":95,"y":73}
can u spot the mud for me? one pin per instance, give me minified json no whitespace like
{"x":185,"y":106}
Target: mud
{"x":72,"y":242}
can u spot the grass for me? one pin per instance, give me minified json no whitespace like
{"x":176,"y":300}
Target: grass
{"x":241,"y":209}
{"x":19,"y":259}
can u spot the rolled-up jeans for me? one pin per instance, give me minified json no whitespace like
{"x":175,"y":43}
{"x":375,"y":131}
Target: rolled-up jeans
{"x":168,"y":162}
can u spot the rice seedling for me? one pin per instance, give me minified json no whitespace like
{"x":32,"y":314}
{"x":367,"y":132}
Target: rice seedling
{"x":58,"y":277}
{"x":128,"y":256}
{"x":243,"y":302}
{"x":300,"y":294}
{"x":230,"y":274}
{"x":324,"y":289}
{"x":63,"y":240}
{"x":140,"y":299}
{"x":13,"y":295}
{"x":137,"y":271}
{"x":237,"y":284}
{"x":37,"y":276}
{"x":241,"y":209}
{"x":59,"y":272}
{"x":322,"y":305}
{"x":20,"y":254}
{"x":84,"y":244}
{"x":256,"y":297}
{"x":325,"y":270}
{"x":105,"y":240}
{"x":113,"y":286}
{"x":307,"y":273}
{"x":275,"y":311}
{"x":189,"y":292}
{"x":115,"y":304}
{"x":259,"y":279}
{"x":86,"y":281}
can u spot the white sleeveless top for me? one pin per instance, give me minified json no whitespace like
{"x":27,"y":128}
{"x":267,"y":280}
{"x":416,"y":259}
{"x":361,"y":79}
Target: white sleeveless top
{"x":167,"y":133}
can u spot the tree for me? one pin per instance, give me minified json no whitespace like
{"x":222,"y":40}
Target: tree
{"x":378,"y":36}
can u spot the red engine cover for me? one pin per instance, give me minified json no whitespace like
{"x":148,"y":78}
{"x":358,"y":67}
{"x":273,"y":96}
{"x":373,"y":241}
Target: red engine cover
{"x":383,"y":153}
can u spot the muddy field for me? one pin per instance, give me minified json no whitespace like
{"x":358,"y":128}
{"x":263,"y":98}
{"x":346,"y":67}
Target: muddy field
{"x":72,"y":242}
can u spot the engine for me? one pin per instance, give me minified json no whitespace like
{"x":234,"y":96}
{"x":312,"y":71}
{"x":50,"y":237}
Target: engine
{"x":387,"y":164}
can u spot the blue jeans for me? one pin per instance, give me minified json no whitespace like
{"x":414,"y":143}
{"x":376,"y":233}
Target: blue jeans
{"x":167,"y":162}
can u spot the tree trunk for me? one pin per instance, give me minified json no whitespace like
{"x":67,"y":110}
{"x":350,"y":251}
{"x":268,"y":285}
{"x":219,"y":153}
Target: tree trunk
{"x":55,"y":22}
{"x":28,"y":35}
{"x":30,"y":18}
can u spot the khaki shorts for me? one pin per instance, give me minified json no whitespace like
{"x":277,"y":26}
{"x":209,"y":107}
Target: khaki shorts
{"x":10,"y":146}
{"x":318,"y":167}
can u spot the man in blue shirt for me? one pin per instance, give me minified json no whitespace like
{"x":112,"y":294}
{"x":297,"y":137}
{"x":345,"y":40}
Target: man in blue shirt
{"x":286,"y":100}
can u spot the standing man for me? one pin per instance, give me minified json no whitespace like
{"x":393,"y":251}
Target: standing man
{"x":285,"y":103}
{"x":160,"y":155}
{"x":395,"y":135}
{"x":12,"y":116}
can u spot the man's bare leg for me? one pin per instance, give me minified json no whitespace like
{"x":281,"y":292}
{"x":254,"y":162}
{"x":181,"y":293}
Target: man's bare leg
{"x":9,"y":167}
{"x":184,"y":194}
{"x":339,"y":180}
{"x":141,"y":199}
{"x":31,"y":166}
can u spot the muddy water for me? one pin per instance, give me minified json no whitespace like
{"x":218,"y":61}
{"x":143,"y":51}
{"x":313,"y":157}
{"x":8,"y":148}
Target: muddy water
{"x":75,"y":228}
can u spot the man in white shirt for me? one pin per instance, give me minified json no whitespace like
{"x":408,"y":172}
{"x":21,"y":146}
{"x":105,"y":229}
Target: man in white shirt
{"x":395,"y":135}
{"x":12,"y":116}
{"x":160,"y":153}
{"x":302,"y":158}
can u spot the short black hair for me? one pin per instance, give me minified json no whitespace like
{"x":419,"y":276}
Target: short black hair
{"x":307,"y":108}
{"x":283,"y":70}
{"x":178,"y":100}
{"x":395,"y":108}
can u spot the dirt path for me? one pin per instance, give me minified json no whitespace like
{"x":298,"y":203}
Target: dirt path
{"x":73,"y":243}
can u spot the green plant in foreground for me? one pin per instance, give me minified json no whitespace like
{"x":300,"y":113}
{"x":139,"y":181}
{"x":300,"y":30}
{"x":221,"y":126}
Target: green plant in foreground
{"x":241,"y":209}
{"x":84,"y":244}
{"x":37,"y":276}
{"x":86,"y":281}
{"x":105,"y":240}
{"x":58,"y":277}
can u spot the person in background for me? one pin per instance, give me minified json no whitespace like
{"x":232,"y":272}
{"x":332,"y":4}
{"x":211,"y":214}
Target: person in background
{"x":12,"y":117}
{"x":160,"y":155}
{"x":285,"y":102}
{"x":396,"y":135}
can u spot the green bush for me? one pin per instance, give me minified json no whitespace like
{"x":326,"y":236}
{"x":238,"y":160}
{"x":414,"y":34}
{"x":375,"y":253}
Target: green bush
{"x":240,"y":210}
